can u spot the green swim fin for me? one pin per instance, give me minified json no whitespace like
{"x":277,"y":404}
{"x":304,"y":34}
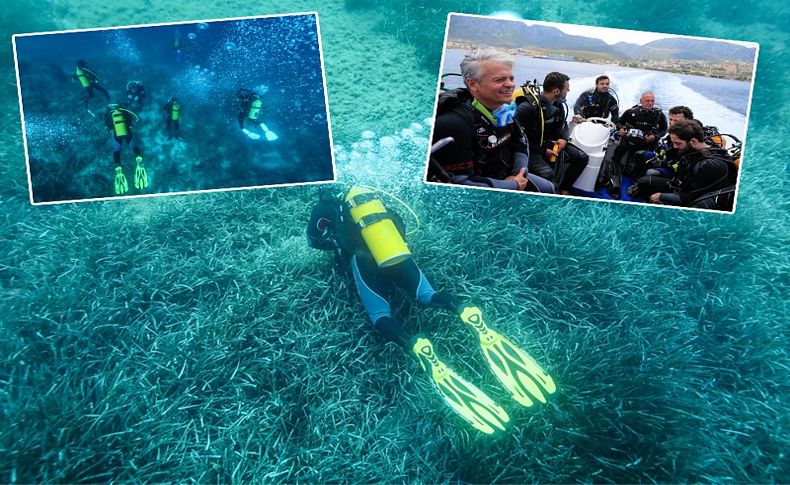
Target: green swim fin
{"x":515,"y":369}
{"x":468,"y":401}
{"x":140,"y":175}
{"x":121,"y":185}
{"x":270,"y":135}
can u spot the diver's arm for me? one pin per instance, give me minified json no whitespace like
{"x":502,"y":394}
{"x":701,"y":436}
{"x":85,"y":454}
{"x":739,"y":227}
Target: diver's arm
{"x":477,"y":181}
{"x":614,"y":110}
{"x":577,"y":108}
{"x":321,"y":228}
{"x":662,"y":125}
{"x":527,"y":116}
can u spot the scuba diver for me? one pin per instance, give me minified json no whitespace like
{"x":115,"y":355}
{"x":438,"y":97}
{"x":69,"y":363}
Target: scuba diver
{"x":640,"y":128}
{"x":250,"y":107}
{"x":598,"y":102}
{"x":173,"y":110}
{"x":135,"y":91}
{"x":118,"y":121}
{"x":89,"y":80}
{"x":705,"y":176}
{"x":543,"y":116}
{"x":369,"y":240}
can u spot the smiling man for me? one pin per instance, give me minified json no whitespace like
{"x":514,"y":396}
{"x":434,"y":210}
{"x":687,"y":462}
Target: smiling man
{"x":489,"y":148}
{"x":597,"y":102}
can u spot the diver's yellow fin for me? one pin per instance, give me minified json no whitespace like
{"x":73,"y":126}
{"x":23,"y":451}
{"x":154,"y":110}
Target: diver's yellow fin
{"x":515,"y":369}
{"x":140,"y":175}
{"x":464,"y":398}
{"x":121,"y":185}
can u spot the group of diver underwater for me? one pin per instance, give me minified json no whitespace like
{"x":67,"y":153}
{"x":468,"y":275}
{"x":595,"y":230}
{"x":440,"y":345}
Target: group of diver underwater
{"x":119,"y":118}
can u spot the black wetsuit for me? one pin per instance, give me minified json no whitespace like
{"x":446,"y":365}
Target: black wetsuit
{"x":173,"y":119}
{"x":93,"y":82}
{"x":136,"y":93}
{"x":701,"y":172}
{"x":119,"y":139}
{"x":542,"y":132}
{"x":481,"y":153}
{"x":647,"y":122}
{"x":331,"y":229}
{"x":592,"y":103}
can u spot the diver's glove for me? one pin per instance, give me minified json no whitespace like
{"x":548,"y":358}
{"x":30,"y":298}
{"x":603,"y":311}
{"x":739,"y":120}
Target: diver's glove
{"x":121,"y":185}
{"x":140,"y":175}
{"x":251,"y":135}
{"x":504,"y":114}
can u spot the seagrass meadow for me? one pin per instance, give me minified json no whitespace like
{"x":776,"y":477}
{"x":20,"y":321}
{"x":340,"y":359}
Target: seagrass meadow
{"x":197,"y":338}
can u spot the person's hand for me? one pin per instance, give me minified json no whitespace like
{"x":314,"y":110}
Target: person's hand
{"x":520,"y":179}
{"x":552,"y":154}
{"x":650,"y":138}
{"x":655,"y":198}
{"x":561,"y":145}
{"x":621,"y":132}
{"x":577,"y":119}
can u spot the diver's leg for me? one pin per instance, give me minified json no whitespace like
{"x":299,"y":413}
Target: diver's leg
{"x":116,"y":150}
{"x":407,"y":275}
{"x":101,"y":88}
{"x":168,"y":124}
{"x":371,"y":290}
{"x":540,"y":167}
{"x":539,"y":184}
{"x":577,"y":161}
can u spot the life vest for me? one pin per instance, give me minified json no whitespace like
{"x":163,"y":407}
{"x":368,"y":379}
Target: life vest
{"x":255,"y":109}
{"x":83,"y":78}
{"x":119,"y":123}
{"x":174,"y":111}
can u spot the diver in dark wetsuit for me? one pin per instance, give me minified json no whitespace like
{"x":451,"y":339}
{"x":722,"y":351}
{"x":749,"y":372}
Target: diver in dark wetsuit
{"x":705,"y":175}
{"x":88,"y":80}
{"x":640,"y":128}
{"x":119,"y":120}
{"x":369,"y":240}
{"x":250,"y":107}
{"x":173,"y":110}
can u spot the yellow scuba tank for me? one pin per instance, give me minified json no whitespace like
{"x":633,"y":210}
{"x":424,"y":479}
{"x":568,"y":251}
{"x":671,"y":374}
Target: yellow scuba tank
{"x":255,"y":109}
{"x":378,"y":230}
{"x":82,"y":77}
{"x":174,"y":111}
{"x":119,"y":123}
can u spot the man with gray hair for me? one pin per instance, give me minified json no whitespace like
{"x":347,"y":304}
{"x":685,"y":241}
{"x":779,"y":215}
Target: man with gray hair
{"x":639,"y":128}
{"x":489,"y":148}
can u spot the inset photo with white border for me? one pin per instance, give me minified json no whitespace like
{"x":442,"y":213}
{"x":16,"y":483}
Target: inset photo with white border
{"x":591,"y":112}
{"x":174,"y":108}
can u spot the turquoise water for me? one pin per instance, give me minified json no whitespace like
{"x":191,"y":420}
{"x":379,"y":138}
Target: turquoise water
{"x":196,"y":337}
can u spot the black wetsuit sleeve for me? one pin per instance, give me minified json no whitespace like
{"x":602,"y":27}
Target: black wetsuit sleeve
{"x":580,"y":102}
{"x":528,"y":116}
{"x":626,"y":119}
{"x":662,"y":125}
{"x":614,"y":109}
{"x":458,"y":156}
{"x":321,"y":227}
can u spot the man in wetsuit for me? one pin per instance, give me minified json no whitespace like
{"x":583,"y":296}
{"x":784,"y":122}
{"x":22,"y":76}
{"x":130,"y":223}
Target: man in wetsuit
{"x":597,"y":102}
{"x":489,"y":148}
{"x":88,"y":80}
{"x":380,"y":263}
{"x":703,"y":177}
{"x":640,"y":128}
{"x":543,"y":116}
